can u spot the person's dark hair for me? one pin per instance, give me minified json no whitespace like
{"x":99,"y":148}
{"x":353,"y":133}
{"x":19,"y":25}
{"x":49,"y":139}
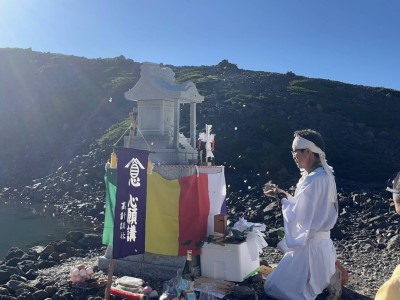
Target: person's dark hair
{"x":312,"y":136}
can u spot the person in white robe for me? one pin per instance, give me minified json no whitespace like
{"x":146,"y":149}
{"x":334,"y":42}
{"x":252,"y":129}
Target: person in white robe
{"x":309,"y":260}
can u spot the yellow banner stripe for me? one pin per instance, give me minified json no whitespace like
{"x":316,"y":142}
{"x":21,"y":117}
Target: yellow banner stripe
{"x":162,"y":215}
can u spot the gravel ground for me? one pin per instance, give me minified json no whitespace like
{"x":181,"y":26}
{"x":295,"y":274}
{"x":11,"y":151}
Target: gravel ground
{"x":367,"y":271}
{"x":368,"y":262}
{"x":366,"y":235}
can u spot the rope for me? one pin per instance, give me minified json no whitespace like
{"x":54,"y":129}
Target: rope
{"x":115,"y":144}
{"x":187,"y":166}
{"x":148,"y":146}
{"x":130,"y":126}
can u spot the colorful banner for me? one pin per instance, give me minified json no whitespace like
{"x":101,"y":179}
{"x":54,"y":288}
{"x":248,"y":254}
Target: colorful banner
{"x":130,"y":206}
{"x":177,"y":211}
{"x":182,"y":210}
{"x":110,"y":179}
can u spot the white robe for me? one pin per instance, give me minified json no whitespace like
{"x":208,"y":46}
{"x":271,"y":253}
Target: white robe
{"x":309,"y":260}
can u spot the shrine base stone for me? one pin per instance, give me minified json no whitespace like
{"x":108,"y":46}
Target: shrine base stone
{"x":145,"y":265}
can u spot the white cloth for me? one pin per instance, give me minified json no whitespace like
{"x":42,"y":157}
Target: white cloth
{"x":255,"y":243}
{"x":217,"y":195}
{"x":302,"y":143}
{"x":255,"y":238}
{"x":309,"y":260}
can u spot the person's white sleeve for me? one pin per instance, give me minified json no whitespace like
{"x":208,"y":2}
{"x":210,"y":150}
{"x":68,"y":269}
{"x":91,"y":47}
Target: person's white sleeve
{"x":299,"y":212}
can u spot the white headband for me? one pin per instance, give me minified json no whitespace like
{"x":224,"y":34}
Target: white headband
{"x":302,"y":143}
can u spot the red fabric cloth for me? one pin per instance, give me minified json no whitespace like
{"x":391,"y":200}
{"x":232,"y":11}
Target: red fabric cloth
{"x":194,"y":207}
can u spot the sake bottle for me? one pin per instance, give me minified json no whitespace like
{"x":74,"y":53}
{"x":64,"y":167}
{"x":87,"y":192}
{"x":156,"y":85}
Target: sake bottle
{"x":187,"y":272}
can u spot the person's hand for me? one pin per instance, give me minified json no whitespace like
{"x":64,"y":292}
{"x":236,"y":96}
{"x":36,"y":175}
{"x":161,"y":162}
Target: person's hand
{"x":271,"y":190}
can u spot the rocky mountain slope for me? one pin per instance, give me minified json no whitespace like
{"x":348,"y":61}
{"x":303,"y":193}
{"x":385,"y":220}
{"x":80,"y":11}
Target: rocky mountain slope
{"x":60,"y":116}
{"x":53,"y":107}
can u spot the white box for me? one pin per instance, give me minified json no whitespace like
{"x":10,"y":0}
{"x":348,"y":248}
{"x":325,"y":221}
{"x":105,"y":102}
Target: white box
{"x":231,"y":262}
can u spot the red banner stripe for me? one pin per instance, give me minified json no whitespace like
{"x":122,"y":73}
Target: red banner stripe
{"x":194,"y":207}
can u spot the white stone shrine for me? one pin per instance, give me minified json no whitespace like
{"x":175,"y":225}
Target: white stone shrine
{"x":155,"y":127}
{"x":159,"y":99}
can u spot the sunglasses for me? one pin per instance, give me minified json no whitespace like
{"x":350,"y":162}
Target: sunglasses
{"x":390,"y":183}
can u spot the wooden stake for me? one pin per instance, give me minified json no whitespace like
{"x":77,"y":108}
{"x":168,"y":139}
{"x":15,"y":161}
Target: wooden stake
{"x":109,"y":279}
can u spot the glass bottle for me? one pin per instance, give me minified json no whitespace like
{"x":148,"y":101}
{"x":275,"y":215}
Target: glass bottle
{"x":187,"y":272}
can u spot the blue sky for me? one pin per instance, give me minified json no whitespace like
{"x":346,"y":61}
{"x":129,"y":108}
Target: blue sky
{"x":353,"y":41}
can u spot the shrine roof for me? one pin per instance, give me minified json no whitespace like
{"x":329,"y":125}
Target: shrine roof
{"x":158,"y":82}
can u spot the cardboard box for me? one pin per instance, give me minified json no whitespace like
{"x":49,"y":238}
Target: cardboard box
{"x":231,"y":262}
{"x":220,"y":223}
